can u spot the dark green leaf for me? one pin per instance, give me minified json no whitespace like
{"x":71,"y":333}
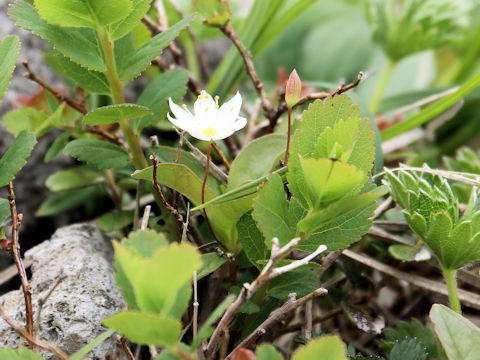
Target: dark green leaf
{"x":114,"y":113}
{"x":251,"y":239}
{"x":409,"y":349}
{"x":65,"y":201}
{"x":115,"y":220}
{"x":57,"y":146}
{"x":211,"y":262}
{"x":102,"y":154}
{"x":73,"y":179}
{"x":16,"y":156}
{"x":9,"y":48}
{"x":301,"y":282}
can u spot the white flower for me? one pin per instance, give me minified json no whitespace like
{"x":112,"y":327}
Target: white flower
{"x":209,"y":121}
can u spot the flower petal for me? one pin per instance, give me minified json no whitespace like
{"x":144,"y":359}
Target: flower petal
{"x":205,"y":110}
{"x":184,"y":118}
{"x":229,"y":111}
{"x":239,"y":123}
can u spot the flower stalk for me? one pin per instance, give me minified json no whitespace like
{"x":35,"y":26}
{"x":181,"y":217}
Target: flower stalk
{"x":451,"y":279}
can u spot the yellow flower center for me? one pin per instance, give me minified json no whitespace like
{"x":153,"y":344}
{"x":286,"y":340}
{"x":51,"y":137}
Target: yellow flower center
{"x":210,"y":132}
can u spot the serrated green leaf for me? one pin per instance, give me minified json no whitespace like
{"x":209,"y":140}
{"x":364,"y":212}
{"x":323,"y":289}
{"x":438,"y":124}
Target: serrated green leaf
{"x":114,"y":113}
{"x":146,"y":329}
{"x":73,"y":179}
{"x":176,"y":263}
{"x":301,"y":282}
{"x":138,"y":61}
{"x":16,"y":156}
{"x":170,"y":84}
{"x":57,"y":146}
{"x":65,"y":201}
{"x":251,"y":239}
{"x":262,"y":152}
{"x":459,"y":337}
{"x":146,"y":242}
{"x":268,"y":352}
{"x":4,"y":210}
{"x":216,"y":12}
{"x":98,"y":153}
{"x":87,"y":13}
{"x":9,"y":49}
{"x":326,"y":348}
{"x":114,"y":220}
{"x":79,"y":355}
{"x":408,"y":349}
{"x":210,"y":262}
{"x":91,"y":80}
{"x":123,"y":26}
{"x":80,"y":45}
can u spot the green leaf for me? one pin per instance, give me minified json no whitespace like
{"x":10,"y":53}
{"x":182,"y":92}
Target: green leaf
{"x":127,"y":263}
{"x":176,"y":263}
{"x":99,"y":153}
{"x":4,"y":210}
{"x":268,"y":352}
{"x":433,"y":110}
{"x":57,"y":146}
{"x":9,"y":49}
{"x":206,"y":330}
{"x":22,"y":354}
{"x":24,"y":118}
{"x":115,"y":220}
{"x":73,"y":179}
{"x":262,"y":152}
{"x":152,"y":48}
{"x":16,"y":156}
{"x":146,"y":329}
{"x":210,"y":262}
{"x":87,"y":13}
{"x":125,"y":25}
{"x":65,"y":201}
{"x":216,"y":12}
{"x":251,"y":239}
{"x":329,"y":347}
{"x":80,"y":45}
{"x":301,"y":282}
{"x":115,"y":113}
{"x":79,"y":355}
{"x":409,"y":349}
{"x":91,"y":80}
{"x":169,"y":84}
{"x":403,"y":252}
{"x":146,"y":242}
{"x":271,"y":212}
{"x":459,"y":337}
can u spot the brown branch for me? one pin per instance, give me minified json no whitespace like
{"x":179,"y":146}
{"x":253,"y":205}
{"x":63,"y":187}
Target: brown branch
{"x":49,"y":347}
{"x":159,"y":192}
{"x":123,"y":341}
{"x":110,"y":182}
{"x":222,"y":157}
{"x":275,"y":317}
{"x":98,"y":130}
{"x":61,"y":98}
{"x":317,"y":319}
{"x":268,"y":272}
{"x":15,"y":252}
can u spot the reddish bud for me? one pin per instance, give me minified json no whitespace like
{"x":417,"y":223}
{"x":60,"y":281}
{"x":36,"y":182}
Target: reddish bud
{"x":243,"y":354}
{"x":293,"y":89}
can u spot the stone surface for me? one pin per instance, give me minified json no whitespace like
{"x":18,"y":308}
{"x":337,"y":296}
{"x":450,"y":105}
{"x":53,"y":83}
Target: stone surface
{"x":71,"y":317}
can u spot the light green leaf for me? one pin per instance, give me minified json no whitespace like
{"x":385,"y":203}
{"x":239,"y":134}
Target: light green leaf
{"x":127,"y":264}
{"x":57,"y":146}
{"x":176,"y":263}
{"x":152,"y":48}
{"x":409,"y":349}
{"x":146,"y":329}
{"x":73,"y":179}
{"x":169,"y":84}
{"x":24,"y":118}
{"x":114,"y":113}
{"x":216,"y":12}
{"x":16,"y":156}
{"x":79,"y":355}
{"x":22,"y":354}
{"x":146,"y":242}
{"x":459,"y":337}
{"x":210,"y":262}
{"x":86,"y":13}
{"x":262,"y":152}
{"x":329,"y":347}
{"x":251,"y":239}
{"x":99,"y":153}
{"x":403,"y":252}
{"x":4,"y":210}
{"x":91,"y":80}
{"x":123,"y":26}
{"x":115,"y":220}
{"x":66,"y":200}
{"x":268,"y":352}
{"x":9,"y":49}
{"x":301,"y":282}
{"x":80,"y":45}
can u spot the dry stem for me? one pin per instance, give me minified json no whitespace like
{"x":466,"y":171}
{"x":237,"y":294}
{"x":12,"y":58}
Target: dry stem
{"x":123,"y":341}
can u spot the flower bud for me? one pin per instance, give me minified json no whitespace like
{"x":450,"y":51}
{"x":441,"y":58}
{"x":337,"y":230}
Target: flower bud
{"x":293,"y":89}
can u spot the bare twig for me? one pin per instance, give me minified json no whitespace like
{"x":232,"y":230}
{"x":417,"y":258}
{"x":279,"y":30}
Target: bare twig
{"x":111,"y":184}
{"x":268,"y":272}
{"x":49,"y":347}
{"x":146,"y":216}
{"x":61,"y":98}
{"x":98,"y":130}
{"x":308,"y":319}
{"x":317,"y":319}
{"x":123,"y":341}
{"x":468,"y":298}
{"x":391,"y":238}
{"x":17,"y":258}
{"x":383,"y":208}
{"x":276,"y":316}
{"x":222,"y":157}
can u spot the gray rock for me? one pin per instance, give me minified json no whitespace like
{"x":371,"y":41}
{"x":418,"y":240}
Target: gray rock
{"x":71,"y":317}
